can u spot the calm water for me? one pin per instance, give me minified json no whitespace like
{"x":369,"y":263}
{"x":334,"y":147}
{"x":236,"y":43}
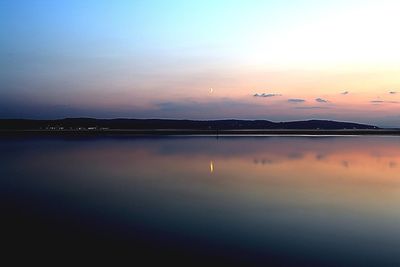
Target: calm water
{"x":268,"y":201}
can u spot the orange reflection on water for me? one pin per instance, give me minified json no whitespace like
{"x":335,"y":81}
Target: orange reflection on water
{"x":344,"y":172}
{"x":342,"y":193}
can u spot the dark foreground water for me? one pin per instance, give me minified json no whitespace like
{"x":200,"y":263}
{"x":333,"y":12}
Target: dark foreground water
{"x":266,"y":201}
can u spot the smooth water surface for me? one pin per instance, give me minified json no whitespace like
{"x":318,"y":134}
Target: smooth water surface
{"x":268,"y":201}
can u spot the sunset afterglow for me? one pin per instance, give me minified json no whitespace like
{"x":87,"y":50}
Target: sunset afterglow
{"x":273,"y":60}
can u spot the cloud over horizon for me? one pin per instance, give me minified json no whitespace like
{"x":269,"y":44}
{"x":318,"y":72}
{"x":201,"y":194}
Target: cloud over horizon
{"x":296,"y":100}
{"x":311,"y":107}
{"x":321,"y":100}
{"x":265,"y":95}
{"x":383,"y":101}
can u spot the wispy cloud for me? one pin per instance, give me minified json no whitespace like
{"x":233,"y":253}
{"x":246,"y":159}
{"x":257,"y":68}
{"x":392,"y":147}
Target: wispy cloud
{"x":345,"y":93}
{"x":296,"y":100}
{"x":320,"y":100}
{"x":345,"y":163}
{"x":383,"y":101}
{"x":266,"y":95}
{"x":312,"y":107}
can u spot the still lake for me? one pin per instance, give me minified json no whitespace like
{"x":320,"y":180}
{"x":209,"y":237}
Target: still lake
{"x":267,"y":201}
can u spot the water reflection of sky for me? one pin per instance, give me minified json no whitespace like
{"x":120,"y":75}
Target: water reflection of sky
{"x":317,"y":200}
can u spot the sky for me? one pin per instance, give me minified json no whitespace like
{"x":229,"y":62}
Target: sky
{"x":275,"y":60}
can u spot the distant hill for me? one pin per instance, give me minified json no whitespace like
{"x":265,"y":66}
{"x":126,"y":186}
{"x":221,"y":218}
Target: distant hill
{"x":148,"y":124}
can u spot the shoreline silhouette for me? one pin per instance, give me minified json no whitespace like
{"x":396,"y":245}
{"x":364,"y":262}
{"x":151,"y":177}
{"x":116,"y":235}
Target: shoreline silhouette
{"x":90,"y":126}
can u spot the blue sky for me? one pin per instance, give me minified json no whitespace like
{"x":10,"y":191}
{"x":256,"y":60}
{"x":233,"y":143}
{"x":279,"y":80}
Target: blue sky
{"x":160,"y":59}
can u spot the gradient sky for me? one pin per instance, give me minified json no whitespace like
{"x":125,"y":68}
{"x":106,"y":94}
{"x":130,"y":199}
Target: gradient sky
{"x":274,"y":60}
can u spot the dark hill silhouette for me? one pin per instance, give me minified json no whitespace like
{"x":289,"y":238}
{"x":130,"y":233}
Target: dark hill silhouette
{"x":153,"y":124}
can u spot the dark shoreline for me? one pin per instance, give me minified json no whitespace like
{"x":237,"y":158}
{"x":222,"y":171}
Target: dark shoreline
{"x":168,"y":132}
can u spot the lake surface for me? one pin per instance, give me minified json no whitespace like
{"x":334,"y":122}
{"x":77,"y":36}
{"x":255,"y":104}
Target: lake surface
{"x":252,"y":201}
